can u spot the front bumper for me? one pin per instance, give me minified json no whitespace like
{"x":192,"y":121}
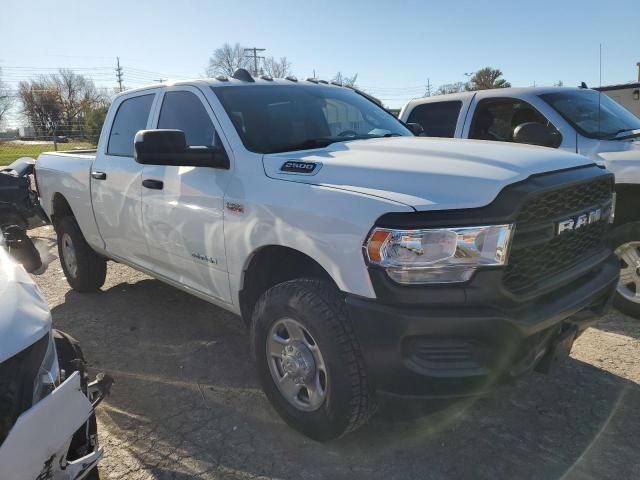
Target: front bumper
{"x":462,"y":341}
{"x":37,"y":445}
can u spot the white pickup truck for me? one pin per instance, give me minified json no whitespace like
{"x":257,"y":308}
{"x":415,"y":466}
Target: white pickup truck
{"x":361,"y":257}
{"x":571,"y":119}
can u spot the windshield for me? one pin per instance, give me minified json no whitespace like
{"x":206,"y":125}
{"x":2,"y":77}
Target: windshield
{"x":281,"y":118}
{"x":592,"y":113}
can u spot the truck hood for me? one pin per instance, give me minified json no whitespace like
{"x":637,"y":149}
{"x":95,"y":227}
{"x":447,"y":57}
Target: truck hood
{"x":423,"y":173}
{"x":623,"y":160}
{"x":24,"y":316}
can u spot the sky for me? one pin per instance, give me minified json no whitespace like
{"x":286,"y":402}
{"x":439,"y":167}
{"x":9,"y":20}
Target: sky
{"x":394,"y":47}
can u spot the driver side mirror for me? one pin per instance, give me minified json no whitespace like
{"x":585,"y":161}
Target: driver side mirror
{"x":534,"y":133}
{"x":169,"y":147}
{"x":415,"y":128}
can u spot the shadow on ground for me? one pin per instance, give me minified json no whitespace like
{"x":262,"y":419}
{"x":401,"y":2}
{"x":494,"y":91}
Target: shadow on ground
{"x":187,"y":404}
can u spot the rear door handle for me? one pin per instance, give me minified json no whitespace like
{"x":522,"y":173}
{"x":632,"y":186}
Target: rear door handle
{"x":153,"y":184}
{"x":99,"y":175}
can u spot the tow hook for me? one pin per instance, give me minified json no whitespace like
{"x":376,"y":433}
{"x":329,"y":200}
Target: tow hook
{"x":99,"y":388}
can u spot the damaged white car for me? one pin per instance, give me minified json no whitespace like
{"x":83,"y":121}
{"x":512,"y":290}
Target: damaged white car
{"x":47,"y":422}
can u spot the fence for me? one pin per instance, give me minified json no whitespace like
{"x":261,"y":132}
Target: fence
{"x":26,"y":145}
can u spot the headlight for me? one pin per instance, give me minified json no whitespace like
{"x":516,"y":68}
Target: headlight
{"x":438,"y":255}
{"x":48,"y":376}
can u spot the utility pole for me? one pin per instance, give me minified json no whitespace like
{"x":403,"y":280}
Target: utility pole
{"x":160,"y":80}
{"x":427,"y":92}
{"x":255,"y":57}
{"x":119,"y":72}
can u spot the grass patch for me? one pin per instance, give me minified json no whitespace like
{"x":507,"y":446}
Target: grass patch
{"x":10,"y":151}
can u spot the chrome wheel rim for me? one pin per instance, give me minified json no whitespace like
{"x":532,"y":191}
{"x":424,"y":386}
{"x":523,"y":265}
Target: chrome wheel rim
{"x":296,"y":365}
{"x":629,"y":283}
{"x":69,"y":255}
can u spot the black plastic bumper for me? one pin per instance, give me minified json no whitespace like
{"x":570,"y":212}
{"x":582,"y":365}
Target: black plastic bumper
{"x":458,"y":344}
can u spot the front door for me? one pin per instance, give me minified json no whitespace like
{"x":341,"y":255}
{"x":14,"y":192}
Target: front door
{"x":496,"y":118}
{"x":182,"y":207}
{"x":116,"y":180}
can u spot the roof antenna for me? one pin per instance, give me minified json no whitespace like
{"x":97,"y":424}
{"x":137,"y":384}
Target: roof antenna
{"x":242,"y":74}
{"x":600,"y":91}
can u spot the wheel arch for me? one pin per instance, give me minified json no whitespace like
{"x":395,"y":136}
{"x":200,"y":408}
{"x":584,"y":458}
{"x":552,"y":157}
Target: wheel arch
{"x":270,"y":265}
{"x":60,"y":207}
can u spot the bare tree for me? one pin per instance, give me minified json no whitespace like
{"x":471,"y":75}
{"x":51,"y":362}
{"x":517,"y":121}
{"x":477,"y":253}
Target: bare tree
{"x":76,"y":94}
{"x":226,"y":60}
{"x":40,"y":105}
{"x":58,"y":103}
{"x":455,"y":87}
{"x":487,"y":78}
{"x":6,"y":99}
{"x":344,"y":80}
{"x":277,"y":68}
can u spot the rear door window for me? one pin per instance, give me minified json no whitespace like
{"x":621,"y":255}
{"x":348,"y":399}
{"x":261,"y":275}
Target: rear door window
{"x":132,"y":116}
{"x":439,"y":119}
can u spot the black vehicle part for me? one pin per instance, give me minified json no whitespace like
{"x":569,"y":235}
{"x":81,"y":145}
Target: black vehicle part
{"x":19,"y":204}
{"x":16,"y":383}
{"x":21,"y":248}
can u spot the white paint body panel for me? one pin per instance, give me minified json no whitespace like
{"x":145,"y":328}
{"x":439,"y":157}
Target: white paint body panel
{"x":326,"y":216}
{"x":24,"y":314}
{"x":42,"y":436}
{"x":621,"y":157}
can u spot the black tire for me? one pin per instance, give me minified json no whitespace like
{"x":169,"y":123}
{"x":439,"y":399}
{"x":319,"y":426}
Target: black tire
{"x":629,"y":232}
{"x":91,"y":268}
{"x":71,"y":360}
{"x":318,"y":306}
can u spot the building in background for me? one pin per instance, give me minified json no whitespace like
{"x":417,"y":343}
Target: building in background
{"x":626,"y":94}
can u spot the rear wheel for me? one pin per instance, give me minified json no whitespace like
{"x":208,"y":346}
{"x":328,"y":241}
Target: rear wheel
{"x":626,"y":242}
{"x":85,"y":269}
{"x":309,"y":360}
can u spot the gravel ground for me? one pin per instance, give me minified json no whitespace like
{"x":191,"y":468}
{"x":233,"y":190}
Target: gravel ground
{"x":187,"y":404}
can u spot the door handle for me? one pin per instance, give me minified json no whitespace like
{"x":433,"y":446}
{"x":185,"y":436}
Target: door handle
{"x":99,"y":175}
{"x":153,"y":184}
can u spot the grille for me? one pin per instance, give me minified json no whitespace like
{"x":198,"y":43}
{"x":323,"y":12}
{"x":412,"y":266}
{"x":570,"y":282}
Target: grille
{"x":566,"y":201}
{"x":533,"y":263}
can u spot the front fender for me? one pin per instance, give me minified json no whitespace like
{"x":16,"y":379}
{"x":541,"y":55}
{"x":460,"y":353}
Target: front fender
{"x":327,"y":224}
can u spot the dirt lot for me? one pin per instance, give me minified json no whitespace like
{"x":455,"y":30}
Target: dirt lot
{"x":187,"y":403}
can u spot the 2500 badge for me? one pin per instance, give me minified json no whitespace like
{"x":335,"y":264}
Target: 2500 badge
{"x":291,"y":166}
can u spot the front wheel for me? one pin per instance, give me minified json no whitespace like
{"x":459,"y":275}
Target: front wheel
{"x":626,"y":242}
{"x":309,"y":360}
{"x":85,"y":269}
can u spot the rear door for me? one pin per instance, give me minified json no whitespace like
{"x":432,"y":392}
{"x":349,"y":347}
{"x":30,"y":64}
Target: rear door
{"x":438,"y":119}
{"x":116,"y":179}
{"x":182,"y":207}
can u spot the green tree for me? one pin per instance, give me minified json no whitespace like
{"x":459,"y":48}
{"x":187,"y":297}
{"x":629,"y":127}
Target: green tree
{"x":487,"y":78}
{"x":93,"y":121}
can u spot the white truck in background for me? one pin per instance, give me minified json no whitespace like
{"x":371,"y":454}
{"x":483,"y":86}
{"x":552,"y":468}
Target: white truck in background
{"x":572,"y":119}
{"x":360,"y":257}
